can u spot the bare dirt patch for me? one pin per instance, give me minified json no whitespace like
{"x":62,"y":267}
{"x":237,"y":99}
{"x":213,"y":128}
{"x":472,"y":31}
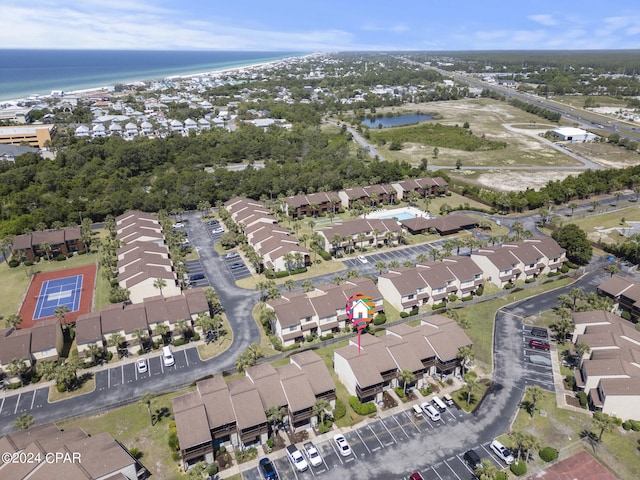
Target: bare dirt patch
{"x":516,"y":180}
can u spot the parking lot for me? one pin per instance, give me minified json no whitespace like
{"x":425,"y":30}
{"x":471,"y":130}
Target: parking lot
{"x":400,"y":255}
{"x":537,"y":361}
{"x":194,"y":267}
{"x":391,"y":432}
{"x":236,"y":266}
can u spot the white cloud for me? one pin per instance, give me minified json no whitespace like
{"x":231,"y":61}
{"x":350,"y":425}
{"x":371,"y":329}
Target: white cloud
{"x":544,"y":19}
{"x":396,"y":28}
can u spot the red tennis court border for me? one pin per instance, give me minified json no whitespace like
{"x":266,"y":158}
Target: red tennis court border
{"x":28,"y":308}
{"x":581,"y":466}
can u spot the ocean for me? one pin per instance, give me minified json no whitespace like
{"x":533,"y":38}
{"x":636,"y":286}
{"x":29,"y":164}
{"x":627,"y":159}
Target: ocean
{"x":27,"y":72}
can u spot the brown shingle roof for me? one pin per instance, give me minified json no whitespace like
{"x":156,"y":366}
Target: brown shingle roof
{"x":88,"y":328}
{"x":44,"y":334}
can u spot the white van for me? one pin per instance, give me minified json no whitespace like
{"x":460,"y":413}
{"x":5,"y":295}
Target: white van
{"x":417,"y":411}
{"x":503,"y":452}
{"x":167,"y":357}
{"x":439,"y":404}
{"x":430,"y":411}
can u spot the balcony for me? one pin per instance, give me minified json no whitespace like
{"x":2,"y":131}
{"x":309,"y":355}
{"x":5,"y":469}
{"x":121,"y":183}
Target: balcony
{"x":369,"y":392}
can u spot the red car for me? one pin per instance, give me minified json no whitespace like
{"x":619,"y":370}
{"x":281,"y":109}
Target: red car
{"x":416,"y":476}
{"x":539,"y":344}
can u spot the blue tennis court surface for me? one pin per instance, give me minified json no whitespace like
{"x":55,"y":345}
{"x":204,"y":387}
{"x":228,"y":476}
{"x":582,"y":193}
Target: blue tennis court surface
{"x":54,"y":293}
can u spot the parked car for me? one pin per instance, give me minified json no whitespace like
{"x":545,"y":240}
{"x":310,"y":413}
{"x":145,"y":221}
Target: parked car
{"x":196,"y":277}
{"x":296,"y":458}
{"x":416,"y":476}
{"x":430,"y":411}
{"x":503,"y":452}
{"x":213,"y":222}
{"x":342,"y":444}
{"x":217,"y":230}
{"x":178,"y":225}
{"x":141,"y":365}
{"x":539,"y":344}
{"x":363,"y":259}
{"x":540,"y":360}
{"x":232,"y":255}
{"x":167,"y":357}
{"x":472,"y":459}
{"x":234,"y":266}
{"x":268,"y":470}
{"x":312,"y":454}
{"x":539,"y":332}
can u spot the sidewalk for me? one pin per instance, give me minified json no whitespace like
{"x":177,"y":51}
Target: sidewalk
{"x":238,"y":469}
{"x":558,"y":381}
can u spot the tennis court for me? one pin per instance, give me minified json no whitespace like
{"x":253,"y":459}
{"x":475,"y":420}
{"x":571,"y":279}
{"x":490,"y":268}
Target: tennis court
{"x":58,"y":292}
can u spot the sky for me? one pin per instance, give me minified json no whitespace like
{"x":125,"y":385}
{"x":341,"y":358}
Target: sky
{"x":324,"y":25}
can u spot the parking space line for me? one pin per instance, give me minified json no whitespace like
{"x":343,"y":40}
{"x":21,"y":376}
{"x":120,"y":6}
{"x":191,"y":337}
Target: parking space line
{"x":374,"y":434}
{"x":109,"y":378}
{"x":336,"y":452}
{"x":185,"y":357}
{"x":434,"y":471}
{"x":2,"y":404}
{"x":452,"y":470}
{"x":392,"y":437}
{"x":122,"y":372}
{"x":17,"y":403}
{"x":492,"y":455}
{"x":465,"y":464}
{"x":451,"y":413}
{"x":33,"y":399}
{"x":363,"y":442}
{"x":401,"y":427}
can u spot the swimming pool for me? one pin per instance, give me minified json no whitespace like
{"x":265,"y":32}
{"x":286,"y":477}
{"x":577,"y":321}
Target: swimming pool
{"x":403,"y":213}
{"x":399,"y":216}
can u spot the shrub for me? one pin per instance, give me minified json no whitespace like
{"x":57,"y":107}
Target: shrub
{"x":340,"y":410}
{"x":281,"y":274}
{"x":548,"y":454}
{"x":309,"y":338}
{"x":414,"y":311}
{"x":467,"y":298}
{"x":269,"y":273}
{"x":27,"y":263}
{"x":571,"y":381}
{"x":570,"y":264}
{"x":564,"y":269}
{"x":13,"y":263}
{"x":324,"y":254}
{"x":379,"y":319}
{"x":60,"y":257}
{"x":438,"y":306}
{"x":480,"y":290}
{"x":626,"y":315}
{"x":508,"y":286}
{"x":518,"y":468}
{"x":196,"y":336}
{"x":291,"y":347}
{"x":362,"y":408}
{"x":179,"y":341}
{"x":213,"y":469}
{"x":501,"y":476}
{"x":82,"y":251}
{"x":582,"y":397}
{"x":135,"y":453}
{"x":453,"y":297}
{"x":635,"y":425}
{"x":553,"y":274}
{"x":404,"y":314}
{"x":627,"y":425}
{"x":325,"y":427}
{"x":328,"y":336}
{"x":276,"y":342}
{"x":69,"y":254}
{"x":175,"y":456}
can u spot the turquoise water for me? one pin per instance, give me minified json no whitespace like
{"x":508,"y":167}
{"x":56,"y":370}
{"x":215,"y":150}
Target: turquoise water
{"x":399,"y":216}
{"x":25,"y":72}
{"x":397,"y":120}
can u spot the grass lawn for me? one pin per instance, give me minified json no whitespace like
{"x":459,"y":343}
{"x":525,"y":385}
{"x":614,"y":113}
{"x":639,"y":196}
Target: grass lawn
{"x":14,"y":281}
{"x":131,"y":426}
{"x":558,"y":427}
{"x":88,"y":386}
{"x":596,"y":225}
{"x":205,"y":352}
{"x":460,"y":396}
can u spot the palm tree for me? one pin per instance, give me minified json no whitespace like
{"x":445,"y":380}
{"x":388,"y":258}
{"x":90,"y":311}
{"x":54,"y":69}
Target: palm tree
{"x":573,"y":206}
{"x":604,"y":422}
{"x":46,"y":369}
{"x":376,"y":233}
{"x":159,"y":283}
{"x":289,"y":284}
{"x":380,"y":266}
{"x":465,"y":355}
{"x":115,"y":340}
{"x":288,"y":261}
{"x":146,"y":400}
{"x":320,"y":409}
{"x":161,"y":329}
{"x":336,"y":241}
{"x":213,"y":299}
{"x":471,"y":380}
{"x":307,"y":286}
{"x":361,"y":238}
{"x":394,"y":264}
{"x":60,"y":312}
{"x":486,"y":471}
{"x":618,"y":196}
{"x":581,"y":349}
{"x":594,"y":205}
{"x":141,"y":335}
{"x":338,"y":280}
{"x":14,"y":320}
{"x":183,"y":328}
{"x":406,"y":376}
{"x":47,"y":249}
{"x":24,"y":421}
{"x":612,"y":269}
{"x":6,"y":246}
{"x":17,"y":367}
{"x":298,"y":258}
{"x":275,"y":414}
{"x":94,"y":352}
{"x":536,"y":393}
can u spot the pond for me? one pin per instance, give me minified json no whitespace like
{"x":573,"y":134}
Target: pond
{"x":397,"y":120}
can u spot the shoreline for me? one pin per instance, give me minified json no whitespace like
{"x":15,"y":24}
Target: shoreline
{"x":210,"y":73}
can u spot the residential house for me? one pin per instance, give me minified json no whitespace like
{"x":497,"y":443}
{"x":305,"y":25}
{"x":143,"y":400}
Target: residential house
{"x":88,"y":332}
{"x":99,"y":131}
{"x":82,"y":131}
{"x":610,"y":373}
{"x":426,"y":350}
{"x":60,"y":241}
{"x":625,"y":294}
{"x":15,"y":344}
{"x":311,"y":204}
{"x":371,"y":195}
{"x":47,"y":340}
{"x":146,"y":128}
{"x":444,"y":225}
{"x":425,"y":187}
{"x":360,"y":232}
{"x":82,"y":457}
{"x":124,"y":321}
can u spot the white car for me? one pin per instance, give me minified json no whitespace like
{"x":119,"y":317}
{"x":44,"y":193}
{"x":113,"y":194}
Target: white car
{"x":312,"y":454}
{"x":217,"y":230}
{"x":232,"y":255}
{"x":296,"y":458}
{"x":178,"y":225}
{"x":342,"y":444}
{"x":363,"y":259}
{"x":503,"y":452}
{"x":141,"y":365}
